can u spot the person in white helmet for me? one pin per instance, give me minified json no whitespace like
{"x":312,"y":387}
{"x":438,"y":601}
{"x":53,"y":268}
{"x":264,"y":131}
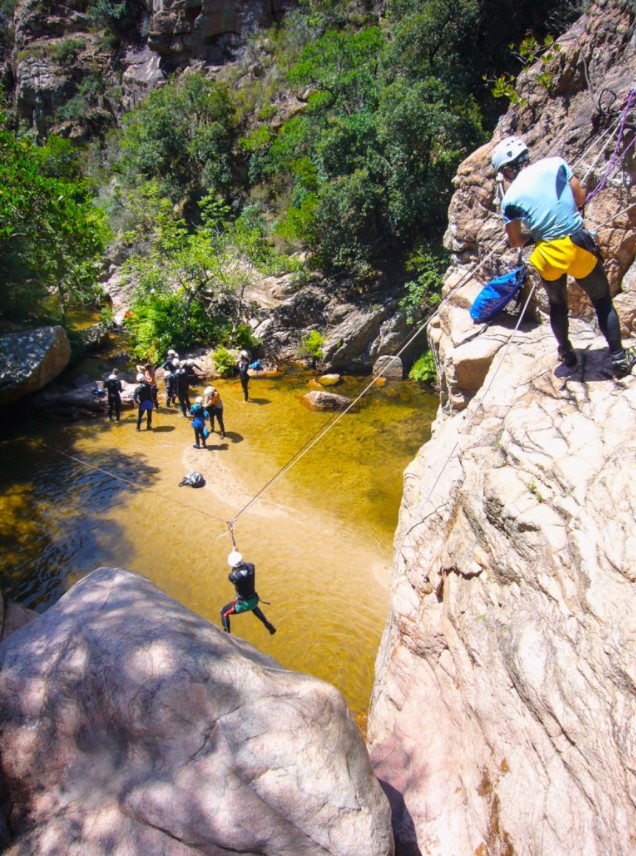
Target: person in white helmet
{"x":143,"y":398}
{"x":546,"y":199}
{"x":168,"y":376}
{"x":243,"y":577}
{"x":243,"y":365}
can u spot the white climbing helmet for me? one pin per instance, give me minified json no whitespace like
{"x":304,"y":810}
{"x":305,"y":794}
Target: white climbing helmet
{"x":507,"y":152}
{"x":234,"y":559}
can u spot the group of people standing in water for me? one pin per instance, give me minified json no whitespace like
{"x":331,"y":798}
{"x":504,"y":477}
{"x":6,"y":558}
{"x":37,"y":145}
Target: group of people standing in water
{"x":178,"y":376}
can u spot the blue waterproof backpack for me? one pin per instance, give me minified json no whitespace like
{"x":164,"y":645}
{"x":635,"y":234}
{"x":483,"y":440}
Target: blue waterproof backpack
{"x":496,"y":294}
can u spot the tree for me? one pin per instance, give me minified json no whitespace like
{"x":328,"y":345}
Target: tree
{"x":182,"y":136}
{"x":51,"y":234}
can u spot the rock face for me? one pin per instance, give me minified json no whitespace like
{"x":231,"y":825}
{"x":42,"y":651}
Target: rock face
{"x":28,"y":361}
{"x":164,"y":735}
{"x":503,"y":717}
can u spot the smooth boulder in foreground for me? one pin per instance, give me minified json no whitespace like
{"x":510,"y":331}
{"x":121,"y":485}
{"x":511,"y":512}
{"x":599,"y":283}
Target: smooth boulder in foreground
{"x":129,"y":724}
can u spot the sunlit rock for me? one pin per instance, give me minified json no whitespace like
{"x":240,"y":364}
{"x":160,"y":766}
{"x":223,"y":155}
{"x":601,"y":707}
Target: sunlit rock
{"x":130,"y":724}
{"x":329,"y":379}
{"x":503,"y":715}
{"x":31,"y":360}
{"x":320,"y":400}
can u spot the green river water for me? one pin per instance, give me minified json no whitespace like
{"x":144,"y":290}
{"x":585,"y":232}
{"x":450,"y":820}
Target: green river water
{"x":75,"y":497}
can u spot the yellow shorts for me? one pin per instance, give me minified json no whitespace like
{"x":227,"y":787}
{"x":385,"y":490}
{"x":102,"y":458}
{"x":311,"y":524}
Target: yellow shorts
{"x":554,"y":258}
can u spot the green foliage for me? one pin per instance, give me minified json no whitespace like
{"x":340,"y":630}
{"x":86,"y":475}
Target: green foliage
{"x":224,"y":361}
{"x":311,"y":346}
{"x":529,"y":51}
{"x":423,"y":369}
{"x":67,"y":50}
{"x":116,"y":17}
{"x":182,"y":137}
{"x":77,"y":107}
{"x":424,"y":292}
{"x":159,"y":321}
{"x":51,"y":235}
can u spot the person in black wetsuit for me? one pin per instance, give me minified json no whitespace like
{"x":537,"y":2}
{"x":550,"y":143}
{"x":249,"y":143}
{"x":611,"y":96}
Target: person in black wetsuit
{"x":113,"y":387}
{"x":168,"y":377}
{"x":243,"y":365}
{"x":183,"y":387}
{"x":143,"y":398}
{"x":243,"y":576}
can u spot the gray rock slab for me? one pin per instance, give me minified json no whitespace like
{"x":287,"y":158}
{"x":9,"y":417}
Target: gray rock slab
{"x":31,"y":360}
{"x":131,"y":725}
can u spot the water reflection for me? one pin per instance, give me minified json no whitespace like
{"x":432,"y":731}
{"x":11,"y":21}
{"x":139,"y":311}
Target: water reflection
{"x":76,"y":497}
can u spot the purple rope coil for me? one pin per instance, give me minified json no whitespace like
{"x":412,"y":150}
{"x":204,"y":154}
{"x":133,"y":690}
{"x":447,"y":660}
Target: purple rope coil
{"x":615,"y":158}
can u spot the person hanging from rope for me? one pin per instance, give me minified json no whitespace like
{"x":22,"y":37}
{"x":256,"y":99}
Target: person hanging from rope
{"x":547,"y":199}
{"x":243,"y":578}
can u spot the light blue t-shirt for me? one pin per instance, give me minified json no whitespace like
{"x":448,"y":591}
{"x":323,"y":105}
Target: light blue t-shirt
{"x":541,"y":197}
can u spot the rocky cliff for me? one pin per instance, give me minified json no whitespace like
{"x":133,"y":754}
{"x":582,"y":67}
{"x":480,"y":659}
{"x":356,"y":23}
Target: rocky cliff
{"x":76,"y":66}
{"x":504,"y":711}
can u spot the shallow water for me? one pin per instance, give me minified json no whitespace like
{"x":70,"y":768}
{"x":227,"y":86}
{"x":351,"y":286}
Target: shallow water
{"x":77,"y":497}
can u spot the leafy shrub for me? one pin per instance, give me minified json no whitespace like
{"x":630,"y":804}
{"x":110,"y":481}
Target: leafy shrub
{"x":423,"y":293}
{"x":224,"y":361}
{"x":424,"y":370}
{"x":159,"y":321}
{"x":311,"y":346}
{"x":182,"y":136}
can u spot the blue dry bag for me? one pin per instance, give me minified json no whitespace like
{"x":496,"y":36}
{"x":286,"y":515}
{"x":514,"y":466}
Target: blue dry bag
{"x":496,"y":294}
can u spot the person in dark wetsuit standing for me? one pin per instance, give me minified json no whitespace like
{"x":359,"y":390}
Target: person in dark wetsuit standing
{"x":243,"y":365}
{"x":113,"y":387}
{"x":243,"y":577}
{"x":183,"y":387}
{"x":143,"y":398}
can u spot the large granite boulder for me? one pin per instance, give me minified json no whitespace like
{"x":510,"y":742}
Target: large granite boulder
{"x":504,"y":707}
{"x":321,"y":400}
{"x":131,"y":725}
{"x":31,"y":360}
{"x":504,"y":712}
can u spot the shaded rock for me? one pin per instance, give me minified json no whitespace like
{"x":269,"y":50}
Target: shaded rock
{"x":13,"y":616}
{"x":389,"y":367}
{"x":80,"y":401}
{"x":318,"y":400}
{"x":31,"y":360}
{"x":164,"y":735}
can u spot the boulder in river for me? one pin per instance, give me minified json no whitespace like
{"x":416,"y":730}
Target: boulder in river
{"x":130,"y":724}
{"x":31,"y":360}
{"x":317,"y":400}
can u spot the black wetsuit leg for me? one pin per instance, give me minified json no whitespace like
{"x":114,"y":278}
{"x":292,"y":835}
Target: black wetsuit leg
{"x":244,"y":383}
{"x":226,"y":611}
{"x":596,"y":286}
{"x":258,"y":612}
{"x":559,"y":321}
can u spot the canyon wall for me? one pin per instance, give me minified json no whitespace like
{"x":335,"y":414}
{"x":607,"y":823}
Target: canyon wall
{"x":504,"y":709}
